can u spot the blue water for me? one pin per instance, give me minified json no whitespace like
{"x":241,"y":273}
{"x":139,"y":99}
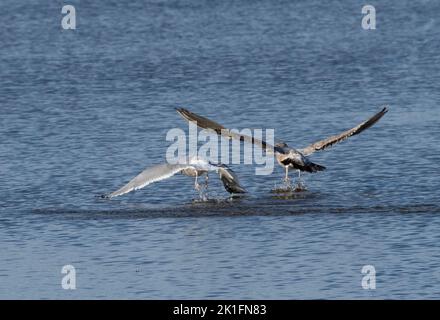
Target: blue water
{"x":85,"y":110}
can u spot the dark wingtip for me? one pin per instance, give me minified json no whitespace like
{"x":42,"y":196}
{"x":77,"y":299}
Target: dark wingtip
{"x":237,"y":191}
{"x":184,"y":113}
{"x":181,"y":110}
{"x":236,"y":195}
{"x":314,"y":167}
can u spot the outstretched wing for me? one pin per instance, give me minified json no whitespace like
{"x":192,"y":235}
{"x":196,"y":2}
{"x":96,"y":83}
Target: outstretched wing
{"x":149,"y":175}
{"x":323,"y":144}
{"x":202,"y":122}
{"x":206,"y":123}
{"x":230,"y":180}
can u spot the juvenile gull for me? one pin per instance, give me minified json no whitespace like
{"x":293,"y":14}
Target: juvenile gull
{"x":287,"y":157}
{"x":194,"y":167}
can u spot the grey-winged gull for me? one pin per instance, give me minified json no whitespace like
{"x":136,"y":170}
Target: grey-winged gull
{"x":194,"y":167}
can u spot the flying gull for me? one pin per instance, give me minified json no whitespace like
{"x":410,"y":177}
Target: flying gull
{"x":287,"y":157}
{"x":194,"y":167}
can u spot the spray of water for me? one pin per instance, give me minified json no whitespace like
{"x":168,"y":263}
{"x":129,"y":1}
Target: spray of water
{"x":288,"y":187}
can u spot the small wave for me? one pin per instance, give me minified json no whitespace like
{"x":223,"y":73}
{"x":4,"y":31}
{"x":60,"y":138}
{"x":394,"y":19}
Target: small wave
{"x":225,"y":207}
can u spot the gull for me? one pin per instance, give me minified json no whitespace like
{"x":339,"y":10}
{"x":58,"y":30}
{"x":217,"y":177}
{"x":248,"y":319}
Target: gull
{"x":193,"y":167}
{"x":288,"y":157}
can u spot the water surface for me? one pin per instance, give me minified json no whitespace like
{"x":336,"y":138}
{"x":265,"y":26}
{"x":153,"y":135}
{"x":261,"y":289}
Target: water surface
{"x":83,"y":111}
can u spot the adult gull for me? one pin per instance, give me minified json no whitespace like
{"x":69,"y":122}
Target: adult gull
{"x":193,"y":167}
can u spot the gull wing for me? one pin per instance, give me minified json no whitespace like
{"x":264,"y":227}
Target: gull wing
{"x":230,"y":180}
{"x":149,"y":175}
{"x":324,"y":144}
{"x":206,"y":123}
{"x":202,"y":122}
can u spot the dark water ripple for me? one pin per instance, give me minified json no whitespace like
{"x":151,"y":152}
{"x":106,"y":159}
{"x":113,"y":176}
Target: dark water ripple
{"x":203,"y":210}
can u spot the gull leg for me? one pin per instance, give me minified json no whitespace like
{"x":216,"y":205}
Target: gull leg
{"x":286,"y":177}
{"x":300,"y":186}
{"x":287,"y":182}
{"x":206,"y":181}
{"x":203,"y":193}
{"x":196,"y":184}
{"x":199,"y":189}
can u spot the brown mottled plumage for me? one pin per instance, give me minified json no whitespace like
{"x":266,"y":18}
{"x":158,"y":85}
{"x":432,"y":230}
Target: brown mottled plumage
{"x":287,"y":157}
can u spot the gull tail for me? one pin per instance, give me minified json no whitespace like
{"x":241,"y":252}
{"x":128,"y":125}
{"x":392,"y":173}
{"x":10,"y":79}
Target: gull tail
{"x":313,"y":167}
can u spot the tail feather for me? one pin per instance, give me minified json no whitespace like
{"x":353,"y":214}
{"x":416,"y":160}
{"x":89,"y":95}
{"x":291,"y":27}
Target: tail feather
{"x":313,"y":167}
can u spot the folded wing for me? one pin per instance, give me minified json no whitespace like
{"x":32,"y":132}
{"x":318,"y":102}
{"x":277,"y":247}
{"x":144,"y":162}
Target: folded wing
{"x":230,"y":180}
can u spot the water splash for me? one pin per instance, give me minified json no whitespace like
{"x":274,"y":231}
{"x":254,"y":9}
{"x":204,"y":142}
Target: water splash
{"x":288,"y":187}
{"x":300,"y":186}
{"x":202,"y":190}
{"x":205,"y":197}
